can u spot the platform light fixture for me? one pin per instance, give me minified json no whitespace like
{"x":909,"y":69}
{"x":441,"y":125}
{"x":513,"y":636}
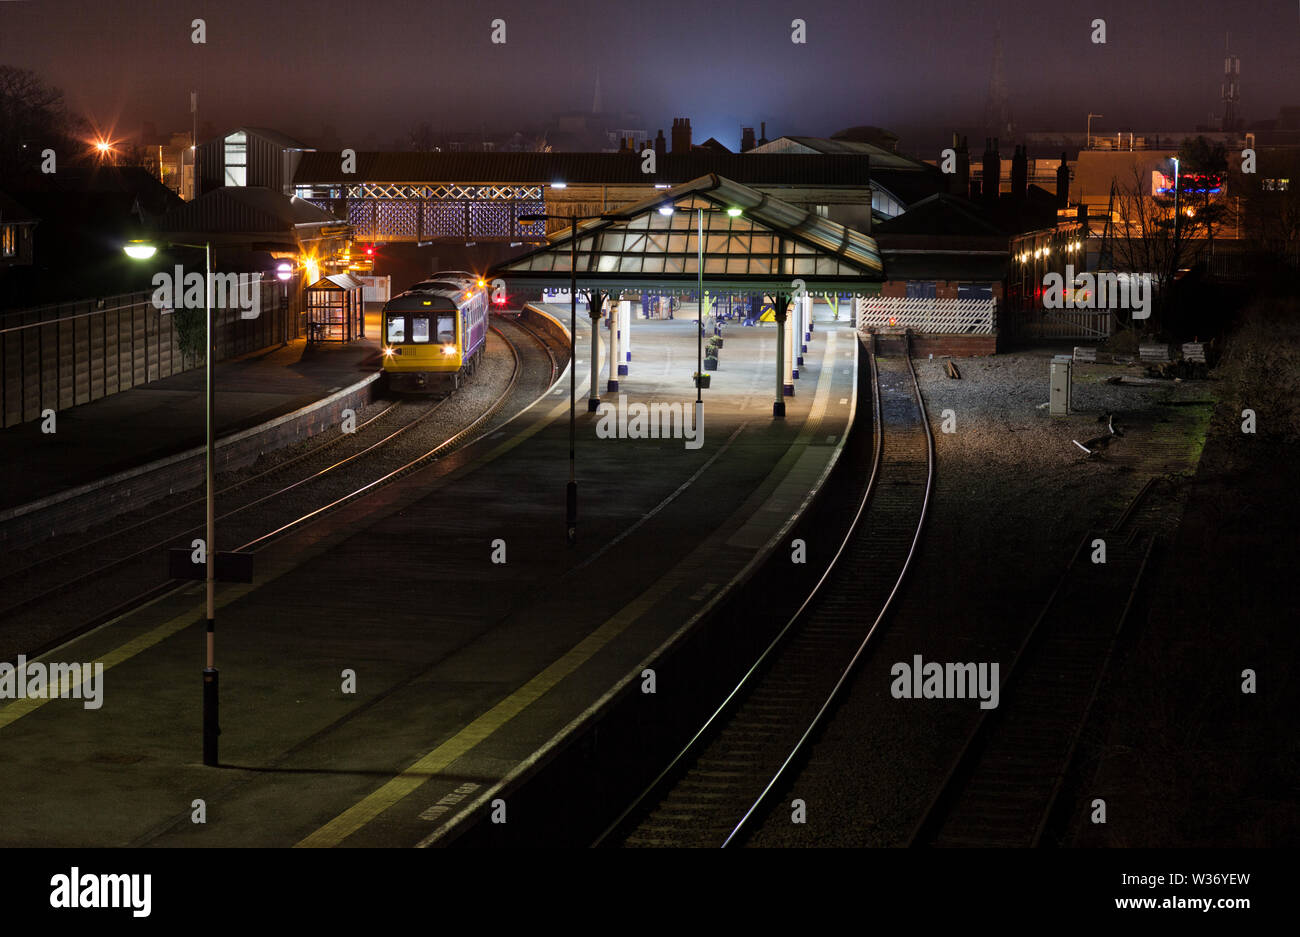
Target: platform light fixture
{"x":139,"y":250}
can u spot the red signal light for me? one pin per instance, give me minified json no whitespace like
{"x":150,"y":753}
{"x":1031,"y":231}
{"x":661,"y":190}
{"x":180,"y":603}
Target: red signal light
{"x":370,"y":252}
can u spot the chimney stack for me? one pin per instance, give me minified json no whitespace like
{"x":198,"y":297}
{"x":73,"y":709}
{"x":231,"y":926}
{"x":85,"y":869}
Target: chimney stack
{"x":746,"y":139}
{"x":661,"y":145}
{"x":961,"y":180}
{"x":991,"y":179}
{"x":762,"y":133}
{"x":681,"y":134}
{"x":1062,"y":184}
{"x":1020,"y":174}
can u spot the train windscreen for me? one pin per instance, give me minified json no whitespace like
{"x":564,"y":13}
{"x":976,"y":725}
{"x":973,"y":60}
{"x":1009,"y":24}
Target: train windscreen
{"x":396,"y":329}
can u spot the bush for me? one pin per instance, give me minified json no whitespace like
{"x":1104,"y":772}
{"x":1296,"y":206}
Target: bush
{"x":191,"y":334}
{"x":1260,"y":368}
{"x":1123,"y":342}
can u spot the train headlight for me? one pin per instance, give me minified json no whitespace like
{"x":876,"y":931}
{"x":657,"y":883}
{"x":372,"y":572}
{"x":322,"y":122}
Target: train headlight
{"x":448,"y":349}
{"x":388,"y":352}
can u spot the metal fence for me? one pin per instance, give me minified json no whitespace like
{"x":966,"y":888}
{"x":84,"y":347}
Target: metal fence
{"x":93,"y":348}
{"x":1021,"y":324}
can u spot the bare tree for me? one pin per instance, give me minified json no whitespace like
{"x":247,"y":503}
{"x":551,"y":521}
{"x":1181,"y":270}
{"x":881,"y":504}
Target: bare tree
{"x":33,"y":117}
{"x":1149,"y":238}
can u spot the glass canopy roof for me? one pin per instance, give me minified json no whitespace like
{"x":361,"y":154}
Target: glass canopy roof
{"x":767,"y":245}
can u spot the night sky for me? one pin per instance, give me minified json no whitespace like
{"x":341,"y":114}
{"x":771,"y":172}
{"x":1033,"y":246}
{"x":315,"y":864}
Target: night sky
{"x":384,"y":65}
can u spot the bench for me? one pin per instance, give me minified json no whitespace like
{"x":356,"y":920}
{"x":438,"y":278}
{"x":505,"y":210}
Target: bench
{"x":1194,"y":351}
{"x":1155,"y":354}
{"x":1085,"y":354}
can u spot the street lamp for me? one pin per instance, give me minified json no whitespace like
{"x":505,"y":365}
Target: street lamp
{"x":1176,"y":200}
{"x":144,"y":250}
{"x":1090,"y":117}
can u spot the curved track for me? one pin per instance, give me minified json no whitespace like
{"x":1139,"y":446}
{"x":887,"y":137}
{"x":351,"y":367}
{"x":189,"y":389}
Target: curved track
{"x":68,"y":581}
{"x":722,"y":782}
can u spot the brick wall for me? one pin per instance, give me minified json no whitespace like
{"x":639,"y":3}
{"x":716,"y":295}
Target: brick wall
{"x":958,"y":346}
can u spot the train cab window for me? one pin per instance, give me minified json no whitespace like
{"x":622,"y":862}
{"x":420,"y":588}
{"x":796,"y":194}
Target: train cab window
{"x":446,"y":330}
{"x":419,"y":328}
{"x":397,"y":329}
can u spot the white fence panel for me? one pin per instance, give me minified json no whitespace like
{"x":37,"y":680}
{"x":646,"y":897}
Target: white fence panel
{"x":938,"y":316}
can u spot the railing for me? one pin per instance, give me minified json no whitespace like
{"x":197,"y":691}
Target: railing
{"x":928,"y":316}
{"x":98,"y":347}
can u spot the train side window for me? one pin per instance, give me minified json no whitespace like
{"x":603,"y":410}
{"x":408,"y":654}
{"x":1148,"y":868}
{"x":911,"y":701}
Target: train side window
{"x":446,"y":330}
{"x":419,"y":328}
{"x":396,"y":329}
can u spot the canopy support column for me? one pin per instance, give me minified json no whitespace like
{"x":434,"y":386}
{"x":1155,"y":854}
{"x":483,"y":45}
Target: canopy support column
{"x":615,"y":322}
{"x":595,"y":300}
{"x":625,"y":335}
{"x":781,"y":305}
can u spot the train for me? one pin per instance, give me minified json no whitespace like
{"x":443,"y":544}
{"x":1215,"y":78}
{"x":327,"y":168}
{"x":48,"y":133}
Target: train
{"x":435,"y":333}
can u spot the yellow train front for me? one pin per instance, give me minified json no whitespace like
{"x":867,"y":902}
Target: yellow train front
{"x":434,"y":337}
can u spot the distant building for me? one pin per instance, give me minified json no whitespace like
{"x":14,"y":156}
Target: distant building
{"x":897,"y":181}
{"x":249,"y":156}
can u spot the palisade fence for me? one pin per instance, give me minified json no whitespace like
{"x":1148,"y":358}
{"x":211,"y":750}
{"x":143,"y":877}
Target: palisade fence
{"x":57,"y":357}
{"x":928,"y":315}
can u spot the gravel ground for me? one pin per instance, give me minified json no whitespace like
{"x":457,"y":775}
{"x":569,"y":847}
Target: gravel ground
{"x":1013,"y":495}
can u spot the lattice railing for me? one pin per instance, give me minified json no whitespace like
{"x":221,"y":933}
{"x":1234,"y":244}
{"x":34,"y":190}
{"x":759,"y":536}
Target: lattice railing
{"x":448,"y":190}
{"x":938,"y":316}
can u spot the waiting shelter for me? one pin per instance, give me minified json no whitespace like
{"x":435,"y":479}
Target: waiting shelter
{"x":712,"y":237}
{"x":335,"y":309}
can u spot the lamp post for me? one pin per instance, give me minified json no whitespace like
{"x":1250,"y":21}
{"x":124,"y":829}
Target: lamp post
{"x":143,"y":250}
{"x":1177,"y":187}
{"x":1090,"y":117}
{"x":571,"y":490}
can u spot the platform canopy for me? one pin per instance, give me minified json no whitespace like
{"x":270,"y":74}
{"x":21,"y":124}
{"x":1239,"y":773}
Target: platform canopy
{"x":765,"y":246}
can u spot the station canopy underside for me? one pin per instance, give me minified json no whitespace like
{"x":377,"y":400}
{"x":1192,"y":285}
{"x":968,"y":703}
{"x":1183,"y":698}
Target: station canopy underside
{"x":765,"y":248}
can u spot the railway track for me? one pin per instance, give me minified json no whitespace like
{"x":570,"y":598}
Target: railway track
{"x":1005,"y":788}
{"x":65,"y":586}
{"x":722,"y":782}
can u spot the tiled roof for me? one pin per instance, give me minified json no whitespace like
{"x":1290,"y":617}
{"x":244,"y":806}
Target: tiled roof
{"x":11,"y":212}
{"x":244,"y":210}
{"x":591,"y":168}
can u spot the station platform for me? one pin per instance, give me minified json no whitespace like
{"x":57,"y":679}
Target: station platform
{"x":98,"y":440}
{"x":464,"y":667}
